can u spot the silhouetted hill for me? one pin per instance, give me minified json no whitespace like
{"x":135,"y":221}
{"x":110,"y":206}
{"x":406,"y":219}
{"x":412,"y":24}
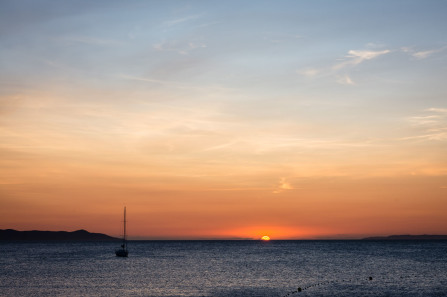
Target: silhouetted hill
{"x":79,"y":235}
{"x":409,"y":237}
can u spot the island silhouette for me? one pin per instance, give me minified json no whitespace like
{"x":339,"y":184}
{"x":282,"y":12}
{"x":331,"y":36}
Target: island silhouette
{"x":34,"y":235}
{"x":409,"y":237}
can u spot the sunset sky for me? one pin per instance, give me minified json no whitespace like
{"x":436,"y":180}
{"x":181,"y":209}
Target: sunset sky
{"x":224,"y":119}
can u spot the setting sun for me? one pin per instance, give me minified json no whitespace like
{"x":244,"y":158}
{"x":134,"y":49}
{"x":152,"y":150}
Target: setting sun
{"x":265,"y":238}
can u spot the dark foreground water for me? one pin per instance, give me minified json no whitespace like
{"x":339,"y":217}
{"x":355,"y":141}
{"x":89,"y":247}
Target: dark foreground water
{"x":225,"y":268}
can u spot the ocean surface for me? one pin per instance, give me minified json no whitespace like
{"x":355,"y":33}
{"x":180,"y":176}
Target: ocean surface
{"x":225,"y":268}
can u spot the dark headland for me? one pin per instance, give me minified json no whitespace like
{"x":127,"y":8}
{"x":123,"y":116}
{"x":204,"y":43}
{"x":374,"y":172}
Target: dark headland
{"x":79,"y":235}
{"x":409,"y":237}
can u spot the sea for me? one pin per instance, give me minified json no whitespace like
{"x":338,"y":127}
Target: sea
{"x":225,"y":268}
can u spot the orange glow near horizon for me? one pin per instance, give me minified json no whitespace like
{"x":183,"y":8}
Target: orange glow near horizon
{"x":156,"y":212}
{"x":265,"y":238}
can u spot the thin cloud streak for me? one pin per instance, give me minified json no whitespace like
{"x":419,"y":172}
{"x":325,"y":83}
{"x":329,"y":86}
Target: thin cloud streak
{"x":181,"y":20}
{"x":182,"y":49}
{"x":283,"y":185}
{"x":421,"y":55}
{"x":345,"y":80}
{"x":92,"y":40}
{"x":353,"y":59}
{"x":175,"y":84}
{"x":431,"y":126}
{"x":356,"y":57}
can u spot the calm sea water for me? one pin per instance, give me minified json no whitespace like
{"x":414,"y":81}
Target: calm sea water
{"x":225,"y":268}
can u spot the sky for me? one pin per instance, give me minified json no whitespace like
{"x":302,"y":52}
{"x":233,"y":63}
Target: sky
{"x":224,"y":119}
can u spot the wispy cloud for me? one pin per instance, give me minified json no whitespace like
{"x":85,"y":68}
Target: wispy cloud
{"x":351,"y":60}
{"x":424,"y":54}
{"x":91,"y":40}
{"x":181,"y":48}
{"x":420,"y":55}
{"x":174,"y":84}
{"x":345,"y":80}
{"x":283,"y":185}
{"x":374,"y":45}
{"x":356,"y":57}
{"x":178,"y":21}
{"x":431,"y":125}
{"x":206,"y":89}
{"x":149,"y":80}
{"x":309,"y":72}
{"x":438,"y":110}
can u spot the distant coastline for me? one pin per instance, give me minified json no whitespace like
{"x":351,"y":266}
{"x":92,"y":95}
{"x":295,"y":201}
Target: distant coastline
{"x":408,"y":237}
{"x":79,"y":235}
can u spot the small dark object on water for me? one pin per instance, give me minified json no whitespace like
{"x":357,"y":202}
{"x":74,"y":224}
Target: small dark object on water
{"x":370,"y":278}
{"x":299,"y":289}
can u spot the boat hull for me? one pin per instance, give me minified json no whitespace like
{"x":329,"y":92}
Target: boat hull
{"x":121,"y":253}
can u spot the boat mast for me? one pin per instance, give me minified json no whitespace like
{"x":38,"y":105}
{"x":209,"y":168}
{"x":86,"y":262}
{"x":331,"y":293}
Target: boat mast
{"x":124,"y":238}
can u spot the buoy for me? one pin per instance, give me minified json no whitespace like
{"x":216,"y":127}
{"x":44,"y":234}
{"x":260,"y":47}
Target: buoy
{"x":370,"y":278}
{"x":299,"y":289}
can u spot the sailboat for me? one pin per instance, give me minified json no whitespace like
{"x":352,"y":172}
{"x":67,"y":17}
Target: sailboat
{"x":123,"y":252}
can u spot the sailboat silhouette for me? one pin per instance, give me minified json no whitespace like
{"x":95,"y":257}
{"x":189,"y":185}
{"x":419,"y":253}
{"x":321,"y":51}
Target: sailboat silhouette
{"x":123,"y":252}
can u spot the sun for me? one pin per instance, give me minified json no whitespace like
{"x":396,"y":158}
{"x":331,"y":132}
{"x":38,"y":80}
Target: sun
{"x":265,"y":238}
